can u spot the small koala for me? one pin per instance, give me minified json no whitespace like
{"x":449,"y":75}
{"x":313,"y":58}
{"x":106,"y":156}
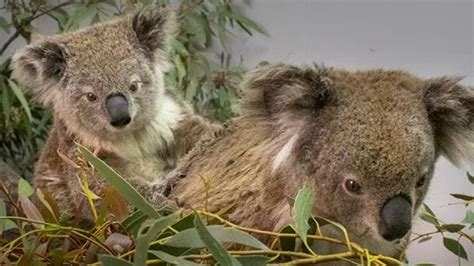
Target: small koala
{"x":106,"y":86}
{"x":365,"y":141}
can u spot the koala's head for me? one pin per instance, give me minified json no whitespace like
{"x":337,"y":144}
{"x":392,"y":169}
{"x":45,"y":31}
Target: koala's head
{"x":366,"y":141}
{"x":104,"y":80}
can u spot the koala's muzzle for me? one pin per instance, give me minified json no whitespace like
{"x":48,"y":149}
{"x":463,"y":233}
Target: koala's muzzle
{"x":117,"y":107}
{"x":395,"y":218}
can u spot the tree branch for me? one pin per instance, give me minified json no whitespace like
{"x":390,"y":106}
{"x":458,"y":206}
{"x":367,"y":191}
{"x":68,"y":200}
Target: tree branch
{"x":29,"y":20}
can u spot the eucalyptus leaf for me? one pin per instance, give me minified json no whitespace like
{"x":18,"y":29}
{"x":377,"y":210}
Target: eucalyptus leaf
{"x":469,"y":217}
{"x":453,"y":228}
{"x":470,"y":177}
{"x":172,"y":259}
{"x":455,"y":247}
{"x":190,"y":238}
{"x":144,"y":239}
{"x":30,"y":210}
{"x":462,"y":197}
{"x":126,"y":190}
{"x":4,"y":25}
{"x":427,"y":215}
{"x":24,"y":188}
{"x":5,"y":224}
{"x":218,"y":251}
{"x":21,"y":97}
{"x":303,"y":207}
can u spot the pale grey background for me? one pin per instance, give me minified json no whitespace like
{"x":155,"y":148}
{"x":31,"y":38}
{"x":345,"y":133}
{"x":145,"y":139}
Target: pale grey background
{"x":429,"y":38}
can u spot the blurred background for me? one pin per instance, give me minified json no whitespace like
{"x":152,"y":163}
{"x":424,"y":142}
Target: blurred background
{"x":428,"y":38}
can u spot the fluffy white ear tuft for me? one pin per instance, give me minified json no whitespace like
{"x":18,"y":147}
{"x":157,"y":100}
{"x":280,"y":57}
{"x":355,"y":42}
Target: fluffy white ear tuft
{"x":451,"y":111}
{"x":39,"y":67}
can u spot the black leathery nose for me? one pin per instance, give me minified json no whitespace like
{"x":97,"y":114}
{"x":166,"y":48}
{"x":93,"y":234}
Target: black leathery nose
{"x":117,"y":107}
{"x":395,"y":218}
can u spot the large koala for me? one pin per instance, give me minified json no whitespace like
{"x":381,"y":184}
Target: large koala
{"x":365,"y":141}
{"x":106,"y":86}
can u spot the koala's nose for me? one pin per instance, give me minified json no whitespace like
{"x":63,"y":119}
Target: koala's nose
{"x":395,"y":218}
{"x":117,"y":106}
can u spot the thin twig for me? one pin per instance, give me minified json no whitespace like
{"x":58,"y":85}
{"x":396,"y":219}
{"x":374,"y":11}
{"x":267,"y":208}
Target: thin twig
{"x":29,"y":20}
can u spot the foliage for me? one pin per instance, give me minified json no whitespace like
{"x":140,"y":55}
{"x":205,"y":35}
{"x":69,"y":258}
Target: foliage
{"x":180,"y":237}
{"x":183,"y":237}
{"x":205,"y":28}
{"x":453,"y":245}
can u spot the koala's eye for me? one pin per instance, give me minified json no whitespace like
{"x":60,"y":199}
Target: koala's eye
{"x":91,"y":97}
{"x":352,"y":186}
{"x":133,"y":87}
{"x":421,"y":181}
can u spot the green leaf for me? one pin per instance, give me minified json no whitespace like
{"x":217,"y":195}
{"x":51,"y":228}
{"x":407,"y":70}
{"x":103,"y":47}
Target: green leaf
{"x":61,"y":17}
{"x":144,"y":239}
{"x":427,"y":215}
{"x":303,"y":207}
{"x":4,"y":25}
{"x":180,"y":67}
{"x":178,"y":47}
{"x":221,"y":31}
{"x":134,"y":221}
{"x":245,"y":23}
{"x":172,"y":259}
{"x":191,"y":89}
{"x":21,"y":97}
{"x":470,"y":177}
{"x":455,"y":247}
{"x":5,"y":224}
{"x":95,"y":19}
{"x":24,"y":188}
{"x":108,"y":260}
{"x":287,"y":243}
{"x":80,"y":13}
{"x":469,"y":219}
{"x":453,"y":228}
{"x":126,"y":190}
{"x":462,"y":197}
{"x":218,"y":251}
{"x":190,"y":238}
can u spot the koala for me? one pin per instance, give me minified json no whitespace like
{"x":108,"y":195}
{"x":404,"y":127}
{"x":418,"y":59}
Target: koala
{"x":105,"y":84}
{"x":366,"y":142}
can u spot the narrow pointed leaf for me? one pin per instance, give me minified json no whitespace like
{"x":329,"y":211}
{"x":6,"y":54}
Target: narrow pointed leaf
{"x":190,"y":238}
{"x":303,"y":207}
{"x":462,"y":196}
{"x":218,"y":251}
{"x":143,"y":240}
{"x":21,"y":98}
{"x":172,"y":259}
{"x":453,"y":228}
{"x":30,"y":210}
{"x":127,"y":190}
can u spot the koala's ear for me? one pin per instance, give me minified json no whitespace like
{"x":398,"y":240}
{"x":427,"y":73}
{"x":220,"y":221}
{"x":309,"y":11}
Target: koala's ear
{"x":451,"y":112}
{"x":288,"y":90}
{"x":153,"y":25}
{"x":39,"y":66}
